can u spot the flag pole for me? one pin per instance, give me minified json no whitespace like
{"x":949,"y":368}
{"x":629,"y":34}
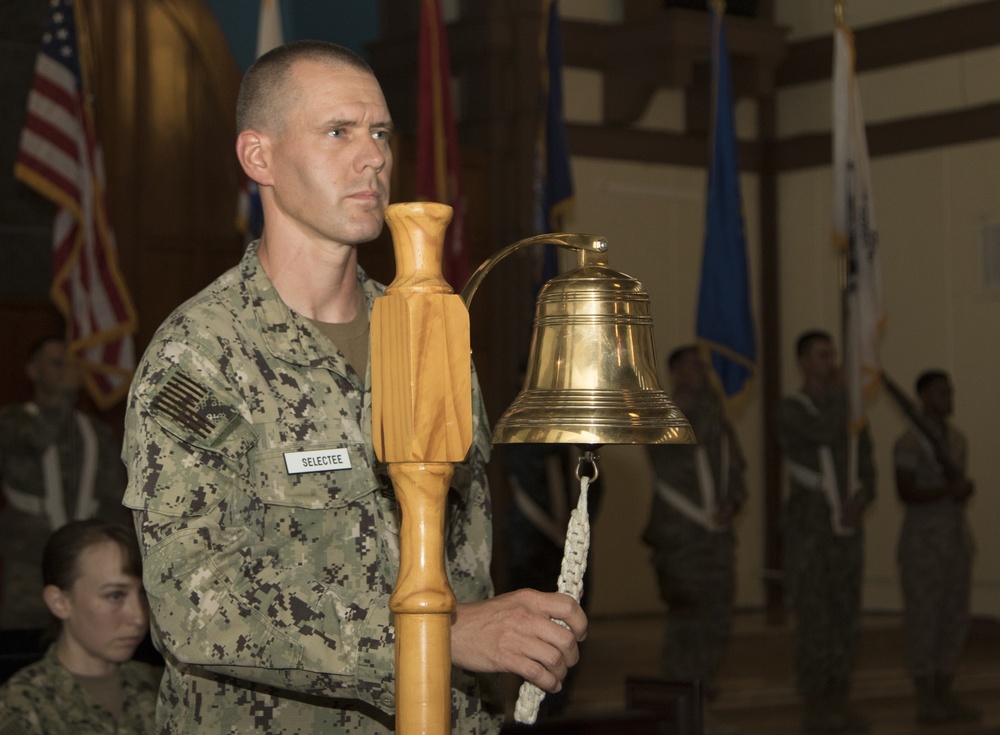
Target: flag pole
{"x":839,"y":25}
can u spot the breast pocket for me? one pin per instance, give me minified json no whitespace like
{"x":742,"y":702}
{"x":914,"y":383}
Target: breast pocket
{"x":324,"y":518}
{"x":314,"y":477}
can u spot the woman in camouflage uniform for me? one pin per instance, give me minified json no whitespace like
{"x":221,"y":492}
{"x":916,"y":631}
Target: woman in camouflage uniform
{"x":86,"y":683}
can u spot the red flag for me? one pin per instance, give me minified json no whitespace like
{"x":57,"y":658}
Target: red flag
{"x":437,"y":141}
{"x":60,"y":157}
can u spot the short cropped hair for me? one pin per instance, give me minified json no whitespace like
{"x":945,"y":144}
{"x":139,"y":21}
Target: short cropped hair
{"x":265,"y":92}
{"x":929,"y":376}
{"x":40,"y":344}
{"x":60,"y":560}
{"x":807,"y":339}
{"x":679,"y":354}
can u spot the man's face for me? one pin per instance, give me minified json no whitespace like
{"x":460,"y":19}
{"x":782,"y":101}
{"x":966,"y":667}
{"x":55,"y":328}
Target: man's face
{"x":819,"y":363}
{"x":689,"y":374}
{"x":52,"y":369}
{"x":938,"y":397}
{"x":330,"y":163}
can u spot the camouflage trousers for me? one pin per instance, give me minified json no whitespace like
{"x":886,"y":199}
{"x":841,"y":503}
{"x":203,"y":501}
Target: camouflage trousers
{"x":936,"y":585}
{"x":823,"y":579}
{"x":697,"y":582}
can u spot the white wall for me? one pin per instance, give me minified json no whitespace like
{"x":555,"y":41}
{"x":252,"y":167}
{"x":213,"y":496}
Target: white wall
{"x":653,"y":217}
{"x":931,"y":208}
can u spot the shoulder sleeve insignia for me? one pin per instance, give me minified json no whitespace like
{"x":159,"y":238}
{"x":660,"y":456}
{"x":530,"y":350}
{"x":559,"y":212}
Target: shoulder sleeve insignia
{"x":191,"y":411}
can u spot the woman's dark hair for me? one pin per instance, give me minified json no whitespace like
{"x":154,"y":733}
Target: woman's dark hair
{"x":60,"y":562}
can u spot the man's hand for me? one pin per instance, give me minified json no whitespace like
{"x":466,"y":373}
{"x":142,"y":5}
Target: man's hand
{"x":516,"y":633}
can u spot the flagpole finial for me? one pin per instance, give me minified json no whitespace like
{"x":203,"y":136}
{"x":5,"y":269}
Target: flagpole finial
{"x":838,"y":12}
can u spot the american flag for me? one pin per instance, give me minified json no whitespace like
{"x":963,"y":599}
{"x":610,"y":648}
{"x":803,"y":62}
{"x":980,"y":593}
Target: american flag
{"x":60,"y":157}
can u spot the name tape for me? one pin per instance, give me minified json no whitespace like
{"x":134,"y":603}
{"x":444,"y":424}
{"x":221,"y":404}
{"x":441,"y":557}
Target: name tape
{"x":319,"y":460}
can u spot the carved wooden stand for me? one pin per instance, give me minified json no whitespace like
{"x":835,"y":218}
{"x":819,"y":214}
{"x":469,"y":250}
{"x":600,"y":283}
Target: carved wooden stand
{"x":421,"y":425}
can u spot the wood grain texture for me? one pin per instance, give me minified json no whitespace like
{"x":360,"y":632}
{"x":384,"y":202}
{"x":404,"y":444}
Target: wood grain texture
{"x":421,"y":424}
{"x":421,"y":354}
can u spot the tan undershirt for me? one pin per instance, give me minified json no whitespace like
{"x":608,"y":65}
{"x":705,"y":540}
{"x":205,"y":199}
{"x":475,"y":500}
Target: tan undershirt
{"x":105,"y":690}
{"x":351,"y":338}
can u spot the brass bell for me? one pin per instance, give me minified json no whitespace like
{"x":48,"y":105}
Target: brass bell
{"x":592,"y":376}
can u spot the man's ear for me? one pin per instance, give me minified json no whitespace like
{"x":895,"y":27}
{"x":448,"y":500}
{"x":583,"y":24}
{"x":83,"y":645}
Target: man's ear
{"x":252,"y":150}
{"x":57,"y":601}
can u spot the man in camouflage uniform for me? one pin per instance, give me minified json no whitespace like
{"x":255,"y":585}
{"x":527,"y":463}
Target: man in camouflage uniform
{"x":57,"y":464}
{"x":935,"y":550}
{"x":270,"y":531}
{"x":698,"y":489}
{"x":822,"y":533}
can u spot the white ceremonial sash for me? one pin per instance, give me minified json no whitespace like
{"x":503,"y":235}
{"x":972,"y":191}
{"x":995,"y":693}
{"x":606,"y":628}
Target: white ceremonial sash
{"x":54,"y":503}
{"x":534,"y":513}
{"x":552,"y":525}
{"x":826,"y":479}
{"x":703,"y":515}
{"x":23,"y":502}
{"x":826,"y":482}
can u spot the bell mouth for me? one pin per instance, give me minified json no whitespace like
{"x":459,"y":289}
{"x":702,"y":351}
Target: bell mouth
{"x":593,"y":418}
{"x":591,"y":376}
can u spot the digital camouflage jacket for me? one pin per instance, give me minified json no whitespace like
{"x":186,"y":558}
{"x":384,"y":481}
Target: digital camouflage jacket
{"x":268,"y":588}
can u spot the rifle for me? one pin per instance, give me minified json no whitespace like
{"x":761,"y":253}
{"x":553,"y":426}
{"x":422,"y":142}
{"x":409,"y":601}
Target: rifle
{"x":938,"y":441}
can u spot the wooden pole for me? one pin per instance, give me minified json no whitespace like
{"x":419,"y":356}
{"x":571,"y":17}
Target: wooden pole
{"x":421,"y":425}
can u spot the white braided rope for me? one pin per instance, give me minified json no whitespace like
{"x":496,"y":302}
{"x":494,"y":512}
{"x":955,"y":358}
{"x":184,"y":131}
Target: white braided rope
{"x":574,"y":564}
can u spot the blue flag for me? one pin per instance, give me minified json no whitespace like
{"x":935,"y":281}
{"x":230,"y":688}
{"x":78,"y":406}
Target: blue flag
{"x":554,"y":180}
{"x":725,"y":320}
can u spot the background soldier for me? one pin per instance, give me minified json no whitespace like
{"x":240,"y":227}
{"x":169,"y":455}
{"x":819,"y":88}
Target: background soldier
{"x":935,"y":549}
{"x":57,"y":464}
{"x":698,"y":490}
{"x":822,"y":533}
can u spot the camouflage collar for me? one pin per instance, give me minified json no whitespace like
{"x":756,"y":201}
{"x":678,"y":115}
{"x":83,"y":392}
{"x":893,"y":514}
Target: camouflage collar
{"x":289,"y":336}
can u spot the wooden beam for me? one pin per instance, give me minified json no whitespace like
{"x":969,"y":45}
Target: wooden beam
{"x":897,"y":136}
{"x":656,"y":47}
{"x":931,"y":35}
{"x":797,"y":152}
{"x":651,"y":146}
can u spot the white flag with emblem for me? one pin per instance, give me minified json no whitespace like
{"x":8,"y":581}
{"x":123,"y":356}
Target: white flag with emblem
{"x":854,"y":230}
